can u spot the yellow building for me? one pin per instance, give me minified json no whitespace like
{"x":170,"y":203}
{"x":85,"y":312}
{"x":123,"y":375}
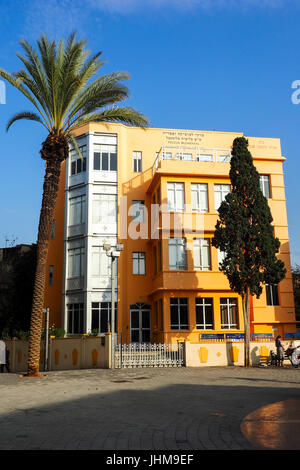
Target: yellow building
{"x":169,"y":285}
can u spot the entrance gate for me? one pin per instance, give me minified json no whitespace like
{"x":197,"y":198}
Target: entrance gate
{"x":149,"y":355}
{"x":140,"y":323}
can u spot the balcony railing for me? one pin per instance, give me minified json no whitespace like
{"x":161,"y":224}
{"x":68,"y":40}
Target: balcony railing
{"x":192,"y":154}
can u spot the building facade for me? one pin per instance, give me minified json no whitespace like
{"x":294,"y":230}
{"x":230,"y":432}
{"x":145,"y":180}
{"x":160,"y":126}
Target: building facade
{"x":157,"y":192}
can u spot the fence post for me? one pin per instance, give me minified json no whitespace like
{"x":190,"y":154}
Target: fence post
{"x":185,"y":353}
{"x":50,"y":354}
{"x":108,"y":337}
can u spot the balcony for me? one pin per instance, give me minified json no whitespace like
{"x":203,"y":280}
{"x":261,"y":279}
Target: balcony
{"x":171,"y":157}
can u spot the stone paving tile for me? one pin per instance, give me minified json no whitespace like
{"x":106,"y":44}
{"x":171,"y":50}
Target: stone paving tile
{"x":153,"y":409}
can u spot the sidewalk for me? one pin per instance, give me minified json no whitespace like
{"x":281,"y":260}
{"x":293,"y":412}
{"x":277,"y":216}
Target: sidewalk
{"x":152,"y":409}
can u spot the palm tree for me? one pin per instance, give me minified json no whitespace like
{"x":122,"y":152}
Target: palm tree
{"x":57,"y":82}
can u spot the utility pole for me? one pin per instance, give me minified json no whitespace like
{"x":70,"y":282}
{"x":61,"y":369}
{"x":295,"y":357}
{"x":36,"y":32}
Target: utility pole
{"x":113,"y":254}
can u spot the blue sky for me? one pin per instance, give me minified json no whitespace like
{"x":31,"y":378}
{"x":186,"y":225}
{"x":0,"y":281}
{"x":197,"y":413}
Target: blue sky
{"x":225,"y":65}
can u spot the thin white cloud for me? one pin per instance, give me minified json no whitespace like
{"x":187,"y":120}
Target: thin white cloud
{"x":129,"y":6}
{"x":59,"y":17}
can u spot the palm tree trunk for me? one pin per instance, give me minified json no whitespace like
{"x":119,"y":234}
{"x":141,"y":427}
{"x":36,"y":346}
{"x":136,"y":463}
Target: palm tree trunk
{"x":246,"y":311}
{"x":54,"y":151}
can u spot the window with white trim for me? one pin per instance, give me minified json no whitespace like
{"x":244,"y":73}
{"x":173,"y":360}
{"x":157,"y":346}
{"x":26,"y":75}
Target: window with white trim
{"x":77,"y":210}
{"x":272,"y":294}
{"x":138,"y":263}
{"x":101,"y":263}
{"x":76,"y":260}
{"x":138,"y":211}
{"x":137,"y":162}
{"x":221,"y":257}
{"x":184,"y":156}
{"x":105,"y":157}
{"x":179,"y":313}
{"x":202,"y":260}
{"x":199,"y":193}
{"x":221,"y":190}
{"x":175,"y":192}
{"x":101,"y":317}
{"x":229,"y":313}
{"x":264,"y":181}
{"x":104,"y":209}
{"x":75,"y":318}
{"x":204,"y":313}
{"x":78,"y":164}
{"x":205,"y":157}
{"x":177,"y":254}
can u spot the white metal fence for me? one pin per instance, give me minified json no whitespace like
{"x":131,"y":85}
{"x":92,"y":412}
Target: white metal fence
{"x":149,"y":355}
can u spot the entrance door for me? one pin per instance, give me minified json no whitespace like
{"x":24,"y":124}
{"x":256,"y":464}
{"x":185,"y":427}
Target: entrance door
{"x":140,"y":323}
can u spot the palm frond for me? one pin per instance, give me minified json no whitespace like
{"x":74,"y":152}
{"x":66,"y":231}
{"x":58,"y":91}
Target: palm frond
{"x":25,"y":115}
{"x":16,"y":82}
{"x":124,"y":115}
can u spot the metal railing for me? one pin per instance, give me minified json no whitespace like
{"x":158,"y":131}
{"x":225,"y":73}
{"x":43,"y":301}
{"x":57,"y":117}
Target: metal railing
{"x":149,"y":355}
{"x":196,"y":154}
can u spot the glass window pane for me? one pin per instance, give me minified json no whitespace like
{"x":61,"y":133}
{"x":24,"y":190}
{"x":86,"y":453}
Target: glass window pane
{"x":113,"y":162}
{"x":104,"y":161}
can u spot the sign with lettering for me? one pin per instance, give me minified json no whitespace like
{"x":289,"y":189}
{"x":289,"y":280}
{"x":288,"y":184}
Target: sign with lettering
{"x":235,"y":336}
{"x":212,"y":336}
{"x":181,"y":138}
{"x":262,"y":335}
{"x":292,"y":336}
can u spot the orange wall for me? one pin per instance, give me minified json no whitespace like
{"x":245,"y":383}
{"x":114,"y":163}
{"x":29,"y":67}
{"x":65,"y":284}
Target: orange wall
{"x":141,"y":186}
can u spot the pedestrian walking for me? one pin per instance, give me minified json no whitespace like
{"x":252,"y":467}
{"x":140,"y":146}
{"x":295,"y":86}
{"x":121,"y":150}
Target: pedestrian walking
{"x":279,"y":350}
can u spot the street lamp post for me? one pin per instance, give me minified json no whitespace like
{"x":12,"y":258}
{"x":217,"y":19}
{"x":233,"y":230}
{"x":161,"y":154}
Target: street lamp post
{"x":113,"y":254}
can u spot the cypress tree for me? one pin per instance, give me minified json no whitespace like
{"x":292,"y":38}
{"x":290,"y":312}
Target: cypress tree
{"x":244,"y":232}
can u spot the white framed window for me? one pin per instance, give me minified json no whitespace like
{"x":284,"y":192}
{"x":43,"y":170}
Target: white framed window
{"x":179,"y":313}
{"x":105,"y":157}
{"x":137,"y":162}
{"x":75,"y":318}
{"x":221,"y":190}
{"x":272,"y":294}
{"x":264,"y":181}
{"x":229,"y":313}
{"x":175,"y":192}
{"x":138,"y":211}
{"x":101,"y":263}
{"x":138,"y":263}
{"x":78,"y":164}
{"x":167,"y":156}
{"x":104,"y":209}
{"x":177,"y":254}
{"x":101,"y":317}
{"x":76,"y":259}
{"x":199,"y":197}
{"x":205,"y":157}
{"x":202,"y":260}
{"x":185,"y":156}
{"x":204,"y":313}
{"x":225,"y":158}
{"x":221,"y":256}
{"x":77,"y":210}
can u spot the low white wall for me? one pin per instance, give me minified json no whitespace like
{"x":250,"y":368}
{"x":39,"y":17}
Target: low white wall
{"x":226,"y":353}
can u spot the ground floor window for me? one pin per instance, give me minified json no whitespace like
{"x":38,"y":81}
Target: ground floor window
{"x":204,"y":314}
{"x":229,"y":313}
{"x":179,"y":313}
{"x":101,"y":317}
{"x":75,"y":318}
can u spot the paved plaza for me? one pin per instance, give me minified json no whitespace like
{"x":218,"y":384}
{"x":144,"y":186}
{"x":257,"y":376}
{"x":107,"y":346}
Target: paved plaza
{"x":182,"y":409}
